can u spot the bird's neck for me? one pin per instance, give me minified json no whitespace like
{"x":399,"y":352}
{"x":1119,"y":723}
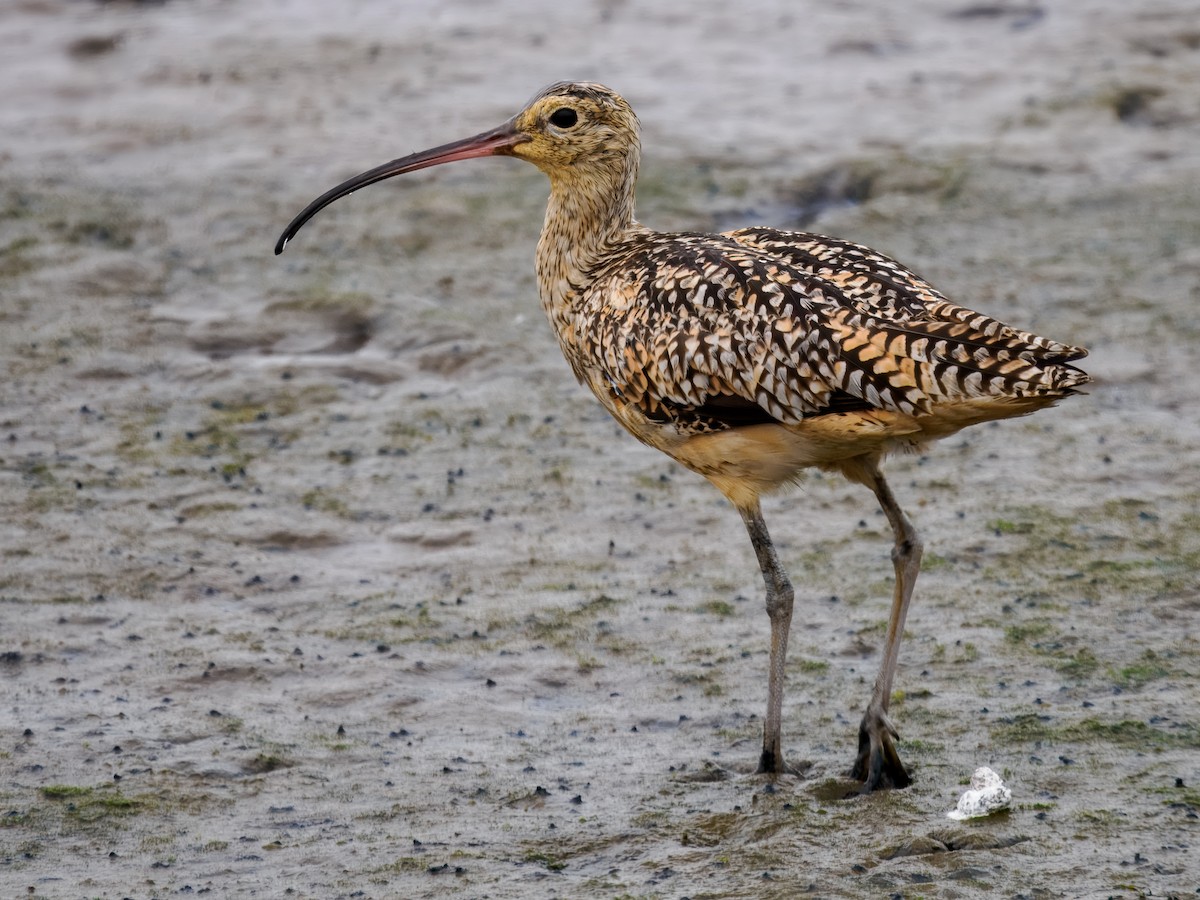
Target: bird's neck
{"x":588,"y":215}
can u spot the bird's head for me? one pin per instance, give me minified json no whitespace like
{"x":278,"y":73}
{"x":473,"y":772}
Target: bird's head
{"x":570,"y":130}
{"x":573,"y":126}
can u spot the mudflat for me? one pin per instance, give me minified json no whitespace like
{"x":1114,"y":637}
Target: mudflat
{"x":321,"y":577}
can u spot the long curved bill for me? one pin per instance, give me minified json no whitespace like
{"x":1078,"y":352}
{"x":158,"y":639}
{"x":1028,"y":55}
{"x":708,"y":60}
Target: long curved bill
{"x":497,"y":142}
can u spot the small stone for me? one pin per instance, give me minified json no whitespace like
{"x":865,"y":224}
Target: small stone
{"x":987,"y":795}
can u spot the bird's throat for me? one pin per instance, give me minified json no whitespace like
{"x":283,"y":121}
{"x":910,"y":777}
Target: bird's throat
{"x":590,"y":214}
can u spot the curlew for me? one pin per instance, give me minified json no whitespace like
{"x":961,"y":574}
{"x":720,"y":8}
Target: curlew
{"x":752,"y":355}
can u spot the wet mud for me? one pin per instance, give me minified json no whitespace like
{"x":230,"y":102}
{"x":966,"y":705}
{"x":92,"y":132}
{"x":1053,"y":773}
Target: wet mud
{"x":320,"y":577}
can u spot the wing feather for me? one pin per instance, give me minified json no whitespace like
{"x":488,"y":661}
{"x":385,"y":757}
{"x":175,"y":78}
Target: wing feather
{"x":798,"y":326}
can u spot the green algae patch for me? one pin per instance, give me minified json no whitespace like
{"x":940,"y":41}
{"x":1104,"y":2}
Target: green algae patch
{"x":542,"y":858}
{"x":85,"y":805}
{"x":1126,"y":733}
{"x":720,"y":608}
{"x":562,"y":626}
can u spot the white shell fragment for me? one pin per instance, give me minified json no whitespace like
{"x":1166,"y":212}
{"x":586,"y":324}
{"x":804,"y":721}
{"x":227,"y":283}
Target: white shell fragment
{"x":987,"y":795}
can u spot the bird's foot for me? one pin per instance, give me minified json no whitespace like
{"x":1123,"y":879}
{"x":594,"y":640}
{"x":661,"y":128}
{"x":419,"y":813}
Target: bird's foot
{"x":728,"y":770}
{"x":878,"y":765}
{"x":774,"y":764}
{"x":707,"y":773}
{"x":770,"y":763}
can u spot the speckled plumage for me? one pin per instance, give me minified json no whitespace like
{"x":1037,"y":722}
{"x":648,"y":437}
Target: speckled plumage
{"x":680,"y":334}
{"x":751,"y":355}
{"x":795,"y":324}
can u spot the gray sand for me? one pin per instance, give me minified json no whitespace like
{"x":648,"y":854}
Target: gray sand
{"x":320,"y":576}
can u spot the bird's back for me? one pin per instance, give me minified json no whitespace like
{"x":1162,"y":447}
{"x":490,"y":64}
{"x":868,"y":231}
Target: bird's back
{"x":703,"y":332}
{"x":879,"y":286}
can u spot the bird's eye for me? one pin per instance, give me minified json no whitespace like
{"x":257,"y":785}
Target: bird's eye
{"x":564,"y":117}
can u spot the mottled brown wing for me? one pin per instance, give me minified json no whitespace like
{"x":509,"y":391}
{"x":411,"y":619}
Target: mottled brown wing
{"x":691,"y":323}
{"x":879,"y":286}
{"x":699,"y":325}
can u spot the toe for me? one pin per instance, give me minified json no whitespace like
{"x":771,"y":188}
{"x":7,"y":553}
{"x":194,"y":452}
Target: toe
{"x":878,"y":764}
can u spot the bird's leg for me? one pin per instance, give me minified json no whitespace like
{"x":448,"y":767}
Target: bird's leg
{"x":878,"y":764}
{"x":779,"y":608}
